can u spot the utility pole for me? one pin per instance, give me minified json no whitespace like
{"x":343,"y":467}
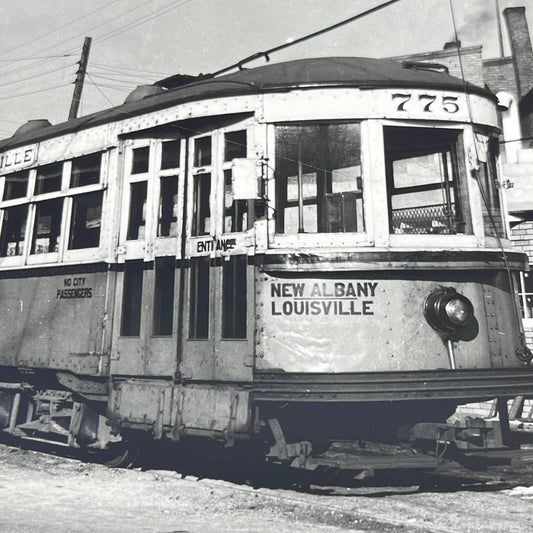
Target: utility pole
{"x":80,"y":78}
{"x":499,"y":28}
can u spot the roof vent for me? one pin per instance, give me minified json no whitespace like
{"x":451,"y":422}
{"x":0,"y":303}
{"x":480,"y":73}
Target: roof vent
{"x":422,"y":65}
{"x":143,"y":91}
{"x":32,"y":125}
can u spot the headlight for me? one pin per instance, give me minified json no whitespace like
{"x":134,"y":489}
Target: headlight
{"x":448,"y":311}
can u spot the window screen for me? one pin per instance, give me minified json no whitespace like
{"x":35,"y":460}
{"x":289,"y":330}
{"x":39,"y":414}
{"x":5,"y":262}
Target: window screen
{"x":46,"y":233}
{"x":86,"y":221}
{"x":13,"y":230}
{"x":426,"y":181}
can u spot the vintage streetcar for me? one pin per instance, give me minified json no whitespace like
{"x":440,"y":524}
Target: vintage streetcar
{"x":283,"y":257}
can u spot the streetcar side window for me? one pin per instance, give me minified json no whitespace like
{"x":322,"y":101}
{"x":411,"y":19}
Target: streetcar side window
{"x":319,"y":185}
{"x":199,"y":298}
{"x":165,"y":269}
{"x":490,"y":189}
{"x":86,"y":170}
{"x":49,"y":178}
{"x":235,"y":211}
{"x":130,"y":325}
{"x":86,"y":217}
{"x":234,"y":297}
{"x":167,"y":224}
{"x":16,"y":185}
{"x":13,"y":230}
{"x":86,"y":220}
{"x":426,"y":182}
{"x":201,"y":222}
{"x":137,"y":215}
{"x":47,"y":229}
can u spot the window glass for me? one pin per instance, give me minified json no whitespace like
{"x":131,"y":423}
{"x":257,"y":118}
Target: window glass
{"x":201,"y":222}
{"x":199,"y":298}
{"x":48,"y":178}
{"x":202,"y":152}
{"x":235,"y":211}
{"x":168,"y":204}
{"x":526,"y":293}
{"x":170,"y":154}
{"x":130,"y":325}
{"x":16,"y":185}
{"x":425,"y":181}
{"x":86,"y":170}
{"x":234,"y":145}
{"x":86,"y":221}
{"x":234,"y":297}
{"x":490,"y":190}
{"x":13,"y":230}
{"x":318,"y":178}
{"x":165,"y":270}
{"x":140,"y":160}
{"x":137,"y":215}
{"x":46,"y":233}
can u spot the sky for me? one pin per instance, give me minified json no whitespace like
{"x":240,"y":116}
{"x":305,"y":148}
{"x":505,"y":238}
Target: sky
{"x":139,"y":41}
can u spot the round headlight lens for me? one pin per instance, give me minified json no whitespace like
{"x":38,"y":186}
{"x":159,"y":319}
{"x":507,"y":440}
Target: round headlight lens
{"x":458,"y":311}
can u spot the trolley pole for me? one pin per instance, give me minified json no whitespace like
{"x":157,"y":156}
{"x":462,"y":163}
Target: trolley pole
{"x":80,"y":78}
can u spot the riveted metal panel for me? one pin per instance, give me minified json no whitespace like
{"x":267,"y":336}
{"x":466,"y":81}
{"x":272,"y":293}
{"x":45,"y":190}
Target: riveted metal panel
{"x":358,"y":322}
{"x":402,"y":104}
{"x":53,"y":320}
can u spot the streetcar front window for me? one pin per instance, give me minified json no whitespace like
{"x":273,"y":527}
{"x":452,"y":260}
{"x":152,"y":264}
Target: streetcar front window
{"x":425,"y":181}
{"x":319,"y":188}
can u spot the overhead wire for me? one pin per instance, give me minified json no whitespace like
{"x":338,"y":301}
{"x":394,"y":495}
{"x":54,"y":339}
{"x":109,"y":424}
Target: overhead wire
{"x":266,"y":54}
{"x":37,"y":75}
{"x":107,"y":5}
{"x":34,"y":92}
{"x":156,"y":14}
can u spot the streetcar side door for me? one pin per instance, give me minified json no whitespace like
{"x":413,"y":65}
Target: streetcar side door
{"x":147,"y":290}
{"x":217,"y":329}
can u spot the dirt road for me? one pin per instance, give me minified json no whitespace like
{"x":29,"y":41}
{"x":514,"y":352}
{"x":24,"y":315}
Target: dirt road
{"x":43,"y":493}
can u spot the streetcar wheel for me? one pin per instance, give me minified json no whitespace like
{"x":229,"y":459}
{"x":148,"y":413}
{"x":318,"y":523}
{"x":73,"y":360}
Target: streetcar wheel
{"x":122,"y":455}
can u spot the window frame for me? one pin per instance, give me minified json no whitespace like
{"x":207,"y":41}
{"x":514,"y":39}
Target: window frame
{"x":333,"y":239}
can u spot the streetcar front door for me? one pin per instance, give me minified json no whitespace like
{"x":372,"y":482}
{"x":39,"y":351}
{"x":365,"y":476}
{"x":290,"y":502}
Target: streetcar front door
{"x":217,"y":331}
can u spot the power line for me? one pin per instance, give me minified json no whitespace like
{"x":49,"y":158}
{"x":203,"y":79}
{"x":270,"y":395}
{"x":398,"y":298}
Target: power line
{"x":126,"y":69}
{"x":33,"y":58}
{"x":142,"y":20}
{"x":70,"y":23}
{"x":34,"y":92}
{"x":37,"y":75}
{"x":267,"y":53}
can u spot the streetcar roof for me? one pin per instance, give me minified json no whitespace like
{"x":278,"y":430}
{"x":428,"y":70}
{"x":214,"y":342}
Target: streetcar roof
{"x":354,"y":72}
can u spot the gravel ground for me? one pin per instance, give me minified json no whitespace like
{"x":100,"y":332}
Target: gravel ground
{"x":47,"y":493}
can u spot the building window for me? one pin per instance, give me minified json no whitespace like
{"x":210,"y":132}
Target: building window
{"x":46,"y":233}
{"x":234,"y":297}
{"x":86,"y":170}
{"x":137,"y":215}
{"x":49,"y":178}
{"x":167,"y":225}
{"x":132,"y":299}
{"x":234,"y":145}
{"x":319,"y":187}
{"x":526,"y":294}
{"x":16,"y":185}
{"x":13,"y":230}
{"x":199,"y":298}
{"x":425,"y":181}
{"x":165,"y":270}
{"x":86,"y":221}
{"x":140,"y":160}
